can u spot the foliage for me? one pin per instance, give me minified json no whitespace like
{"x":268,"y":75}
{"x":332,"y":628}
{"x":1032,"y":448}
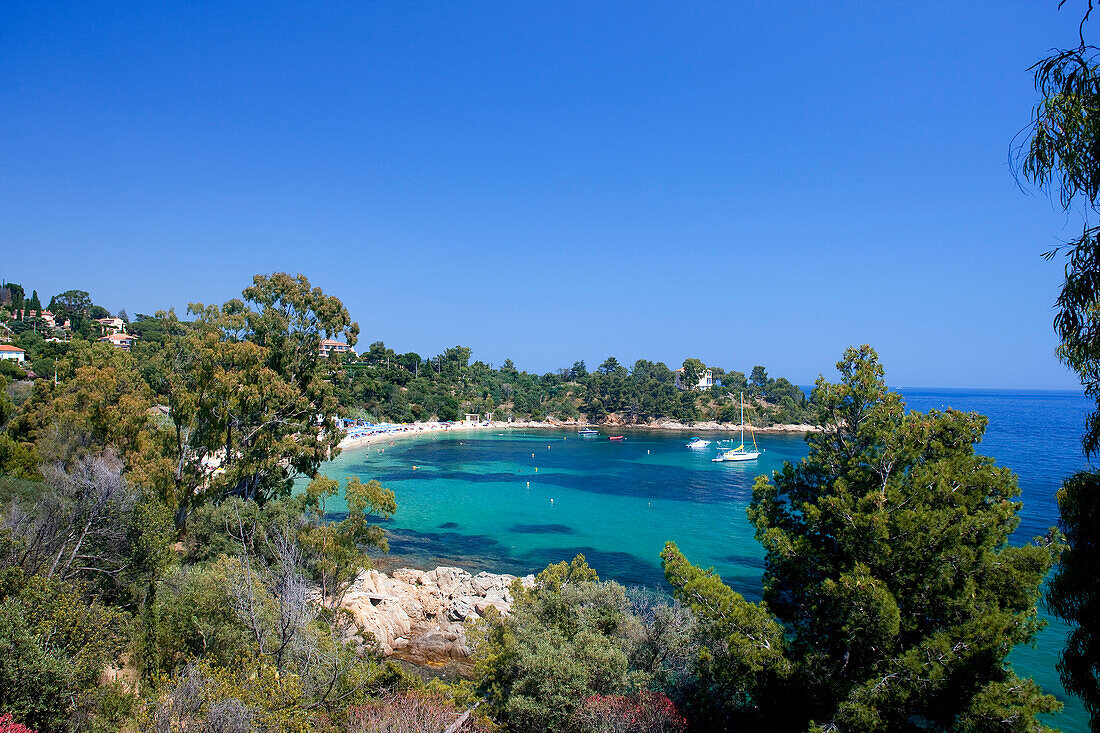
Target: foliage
{"x":409,"y":712}
{"x":644,"y":712}
{"x":1072,"y":592}
{"x":1061,"y":156}
{"x":334,"y":549}
{"x":217,"y":529}
{"x":194,"y":618}
{"x":100,"y":401}
{"x":888,"y":564}
{"x":207,"y":698}
{"x":249,"y":381}
{"x":89,"y":525}
{"x":693,"y":372}
{"x":8,"y":725}
{"x":741,"y":659}
{"x":563,"y":642}
{"x":17,"y":459}
{"x":53,"y":645}
{"x":404,"y":387}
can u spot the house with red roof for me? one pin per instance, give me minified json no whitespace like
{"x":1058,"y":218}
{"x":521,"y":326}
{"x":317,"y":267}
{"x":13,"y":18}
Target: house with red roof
{"x":329,"y":346}
{"x":12,"y":353}
{"x":119,"y":340}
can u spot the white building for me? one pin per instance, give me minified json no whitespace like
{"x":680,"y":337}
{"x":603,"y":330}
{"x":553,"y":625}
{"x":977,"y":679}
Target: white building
{"x":111,"y":325}
{"x":12,"y":353}
{"x":329,"y":346}
{"x":119,"y":340}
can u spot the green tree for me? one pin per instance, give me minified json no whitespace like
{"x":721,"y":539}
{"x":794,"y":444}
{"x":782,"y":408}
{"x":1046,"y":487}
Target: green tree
{"x":742,"y":659}
{"x":563,"y":642}
{"x":335,"y":555}
{"x":53,"y":647}
{"x":759,"y":377}
{"x":248,"y":382}
{"x":99,"y":402}
{"x":888,"y":562}
{"x":15,"y":291}
{"x":34,"y":303}
{"x":693,"y":371}
{"x":1073,"y":593}
{"x":73,"y":305}
{"x":193,"y":618}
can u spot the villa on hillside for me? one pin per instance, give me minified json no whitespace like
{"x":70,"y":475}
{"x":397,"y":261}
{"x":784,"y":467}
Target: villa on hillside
{"x":119,"y":340}
{"x":328,"y":346}
{"x":111,"y":325}
{"x":46,"y":316}
{"x":706,"y":380}
{"x":12,"y":353}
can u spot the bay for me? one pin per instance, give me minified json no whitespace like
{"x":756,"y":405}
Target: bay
{"x":516,"y":501}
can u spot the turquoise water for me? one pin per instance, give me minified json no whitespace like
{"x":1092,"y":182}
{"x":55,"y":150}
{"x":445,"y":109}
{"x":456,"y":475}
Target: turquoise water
{"x":515,"y":502}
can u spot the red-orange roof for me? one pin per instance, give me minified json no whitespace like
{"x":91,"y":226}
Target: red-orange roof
{"x":9,"y":347}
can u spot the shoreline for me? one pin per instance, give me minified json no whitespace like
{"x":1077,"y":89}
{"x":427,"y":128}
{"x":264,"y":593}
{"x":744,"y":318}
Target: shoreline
{"x":425,"y":428}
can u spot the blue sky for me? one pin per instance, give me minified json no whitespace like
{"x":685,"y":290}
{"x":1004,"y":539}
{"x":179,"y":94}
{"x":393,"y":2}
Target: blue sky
{"x":746,"y":183}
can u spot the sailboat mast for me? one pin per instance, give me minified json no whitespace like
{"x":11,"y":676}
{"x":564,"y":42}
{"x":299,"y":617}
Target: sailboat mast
{"x":742,"y":418}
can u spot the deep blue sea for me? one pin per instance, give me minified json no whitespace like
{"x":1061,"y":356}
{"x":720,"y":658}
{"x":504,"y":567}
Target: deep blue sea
{"x":514,"y":502}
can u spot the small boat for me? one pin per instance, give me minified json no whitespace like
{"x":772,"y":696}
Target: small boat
{"x":615,"y":437}
{"x":698,"y":443}
{"x":588,"y":433}
{"x":738,"y":454}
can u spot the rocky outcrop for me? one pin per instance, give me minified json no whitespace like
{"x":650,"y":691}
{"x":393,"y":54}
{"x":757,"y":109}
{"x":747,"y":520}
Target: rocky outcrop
{"x":421,"y":615}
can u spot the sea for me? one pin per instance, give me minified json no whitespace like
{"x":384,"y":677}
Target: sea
{"x":514,"y":501}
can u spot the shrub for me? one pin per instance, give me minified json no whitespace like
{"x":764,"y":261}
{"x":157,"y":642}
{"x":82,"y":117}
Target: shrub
{"x":8,"y":725}
{"x":408,"y":712}
{"x":644,"y":712}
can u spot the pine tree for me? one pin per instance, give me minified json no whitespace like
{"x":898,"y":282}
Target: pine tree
{"x":888,"y":566}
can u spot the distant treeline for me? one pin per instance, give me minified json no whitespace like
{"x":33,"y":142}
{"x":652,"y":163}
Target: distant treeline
{"x":383,"y":385}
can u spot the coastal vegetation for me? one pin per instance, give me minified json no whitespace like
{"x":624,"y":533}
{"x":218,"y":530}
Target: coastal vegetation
{"x":383,"y":385}
{"x":380,"y":385}
{"x":157,"y":572}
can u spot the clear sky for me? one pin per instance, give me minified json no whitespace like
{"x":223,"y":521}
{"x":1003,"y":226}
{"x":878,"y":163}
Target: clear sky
{"x":742,"y":182}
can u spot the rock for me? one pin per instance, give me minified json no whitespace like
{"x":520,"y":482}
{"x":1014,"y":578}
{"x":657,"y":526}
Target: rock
{"x":422,"y":616}
{"x":461,"y":608}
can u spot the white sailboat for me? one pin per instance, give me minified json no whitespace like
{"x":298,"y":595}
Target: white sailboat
{"x":739,"y":453}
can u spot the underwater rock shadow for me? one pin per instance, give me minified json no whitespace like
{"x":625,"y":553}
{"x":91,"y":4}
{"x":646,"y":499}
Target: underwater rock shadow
{"x":541,"y":529}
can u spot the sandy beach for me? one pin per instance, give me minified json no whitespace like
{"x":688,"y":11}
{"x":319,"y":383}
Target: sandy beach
{"x":421,"y":428}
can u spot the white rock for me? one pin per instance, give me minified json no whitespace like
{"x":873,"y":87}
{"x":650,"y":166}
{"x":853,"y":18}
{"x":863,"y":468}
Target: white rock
{"x":423,"y":615}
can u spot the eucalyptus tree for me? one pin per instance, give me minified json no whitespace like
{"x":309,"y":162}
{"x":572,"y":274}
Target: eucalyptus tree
{"x":1061,"y":155}
{"x":248,"y":392}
